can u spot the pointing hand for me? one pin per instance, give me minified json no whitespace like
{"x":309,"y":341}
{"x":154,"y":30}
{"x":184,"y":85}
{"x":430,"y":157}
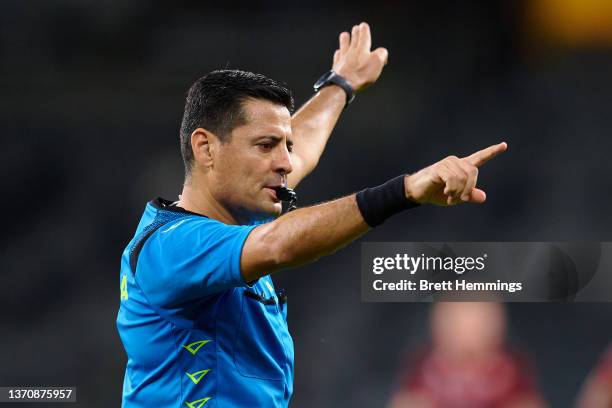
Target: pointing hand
{"x":451,"y":180}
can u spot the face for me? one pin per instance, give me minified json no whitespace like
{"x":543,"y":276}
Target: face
{"x":468,"y":330}
{"x":255,"y":160}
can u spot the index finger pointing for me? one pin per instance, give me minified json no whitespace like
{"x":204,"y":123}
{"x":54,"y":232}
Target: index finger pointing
{"x":482,"y":156}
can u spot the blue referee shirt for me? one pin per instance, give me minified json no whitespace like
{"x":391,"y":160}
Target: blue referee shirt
{"x":196,"y":335}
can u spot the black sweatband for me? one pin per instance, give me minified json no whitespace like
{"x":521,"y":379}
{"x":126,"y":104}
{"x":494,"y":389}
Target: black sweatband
{"x":379,"y":203}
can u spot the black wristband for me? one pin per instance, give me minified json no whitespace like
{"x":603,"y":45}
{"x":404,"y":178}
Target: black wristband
{"x":376,"y":204}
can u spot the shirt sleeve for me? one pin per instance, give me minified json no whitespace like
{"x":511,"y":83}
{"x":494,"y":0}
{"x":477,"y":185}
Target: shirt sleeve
{"x":191,"y":258}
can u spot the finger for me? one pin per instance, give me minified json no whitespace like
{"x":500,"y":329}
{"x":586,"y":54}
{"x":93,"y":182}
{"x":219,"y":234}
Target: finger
{"x":472,"y":178}
{"x":365,"y":37}
{"x":482,"y":156}
{"x":446,"y":178}
{"x":336,"y":56}
{"x":456,"y":177}
{"x":382,"y":54}
{"x":354,"y":37}
{"x":462,"y":172}
{"x":477,"y":196}
{"x":451,"y":181}
{"x":452,"y":187}
{"x":344,"y":41}
{"x":461,"y":177}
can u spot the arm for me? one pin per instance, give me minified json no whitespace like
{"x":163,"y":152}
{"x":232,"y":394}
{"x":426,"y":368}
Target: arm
{"x":301,"y":236}
{"x":306,"y":234}
{"x":313,"y":123}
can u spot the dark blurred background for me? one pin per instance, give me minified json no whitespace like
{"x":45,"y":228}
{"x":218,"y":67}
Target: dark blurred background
{"x":91,"y":97}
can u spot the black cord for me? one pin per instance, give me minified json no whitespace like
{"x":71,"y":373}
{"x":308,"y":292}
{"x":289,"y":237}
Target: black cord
{"x":288,"y":195}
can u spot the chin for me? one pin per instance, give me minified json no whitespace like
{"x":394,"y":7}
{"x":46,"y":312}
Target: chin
{"x":272,"y":210}
{"x":266,"y":211}
{"x":270,"y":207}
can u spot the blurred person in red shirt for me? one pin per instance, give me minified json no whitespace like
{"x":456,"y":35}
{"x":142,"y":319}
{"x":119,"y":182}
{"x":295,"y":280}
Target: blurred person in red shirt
{"x":597,"y":389}
{"x":467,"y":364}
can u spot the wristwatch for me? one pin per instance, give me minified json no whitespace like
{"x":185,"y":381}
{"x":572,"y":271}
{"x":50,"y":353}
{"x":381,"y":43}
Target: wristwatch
{"x":332,"y":78}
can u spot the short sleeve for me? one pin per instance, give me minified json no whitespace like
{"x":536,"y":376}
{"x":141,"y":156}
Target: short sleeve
{"x":191,"y":258}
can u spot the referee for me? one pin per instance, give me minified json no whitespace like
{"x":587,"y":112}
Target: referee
{"x":200,"y":319}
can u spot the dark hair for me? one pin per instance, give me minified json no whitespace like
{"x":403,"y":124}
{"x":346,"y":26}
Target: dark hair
{"x":214,"y":102}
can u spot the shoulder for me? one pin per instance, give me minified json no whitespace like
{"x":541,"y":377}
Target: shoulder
{"x":197,"y":226}
{"x":196,"y":236}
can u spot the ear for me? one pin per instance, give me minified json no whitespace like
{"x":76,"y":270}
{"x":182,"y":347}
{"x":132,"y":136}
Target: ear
{"x":204,"y":145}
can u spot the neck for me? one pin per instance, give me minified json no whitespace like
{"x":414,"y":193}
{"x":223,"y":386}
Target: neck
{"x":196,"y":197}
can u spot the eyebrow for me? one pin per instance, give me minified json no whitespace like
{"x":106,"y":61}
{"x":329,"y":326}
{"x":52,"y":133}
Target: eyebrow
{"x":275,"y":138}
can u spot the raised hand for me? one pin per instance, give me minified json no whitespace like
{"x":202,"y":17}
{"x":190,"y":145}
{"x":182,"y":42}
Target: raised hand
{"x":451,"y":180}
{"x":354,"y":60}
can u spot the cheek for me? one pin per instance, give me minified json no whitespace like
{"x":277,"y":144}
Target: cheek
{"x":230,"y":164}
{"x":248,"y":167}
{"x":239,"y":173}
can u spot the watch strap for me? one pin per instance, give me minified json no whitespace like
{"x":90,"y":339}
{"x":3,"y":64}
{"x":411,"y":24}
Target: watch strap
{"x":332,"y":78}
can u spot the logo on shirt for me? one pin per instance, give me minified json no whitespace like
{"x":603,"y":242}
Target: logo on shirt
{"x":173,"y":227}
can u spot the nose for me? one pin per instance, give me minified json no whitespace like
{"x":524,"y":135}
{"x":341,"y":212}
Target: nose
{"x":282,"y":161}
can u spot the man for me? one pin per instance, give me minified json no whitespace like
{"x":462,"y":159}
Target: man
{"x":200,"y":319}
{"x":468,"y":363}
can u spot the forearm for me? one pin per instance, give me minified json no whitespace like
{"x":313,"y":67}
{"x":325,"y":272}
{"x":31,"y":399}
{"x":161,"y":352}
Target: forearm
{"x":313,"y":123}
{"x":302,"y":236}
{"x":305,"y":235}
{"x":311,"y":127}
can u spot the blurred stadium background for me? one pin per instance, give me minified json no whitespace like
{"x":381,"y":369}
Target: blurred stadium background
{"x":91,"y":99}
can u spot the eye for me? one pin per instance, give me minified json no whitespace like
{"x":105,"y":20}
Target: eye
{"x":265,"y":146}
{"x":290,"y":147}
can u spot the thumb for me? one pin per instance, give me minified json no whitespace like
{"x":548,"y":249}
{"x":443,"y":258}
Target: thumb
{"x":477,"y":196}
{"x":382,"y":54}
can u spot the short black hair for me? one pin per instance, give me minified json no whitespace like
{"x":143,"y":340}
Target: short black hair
{"x":214,"y":102}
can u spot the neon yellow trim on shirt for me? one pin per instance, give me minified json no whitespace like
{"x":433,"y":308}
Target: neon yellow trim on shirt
{"x":197,"y":376}
{"x":199,"y":344}
{"x":201,"y":402}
